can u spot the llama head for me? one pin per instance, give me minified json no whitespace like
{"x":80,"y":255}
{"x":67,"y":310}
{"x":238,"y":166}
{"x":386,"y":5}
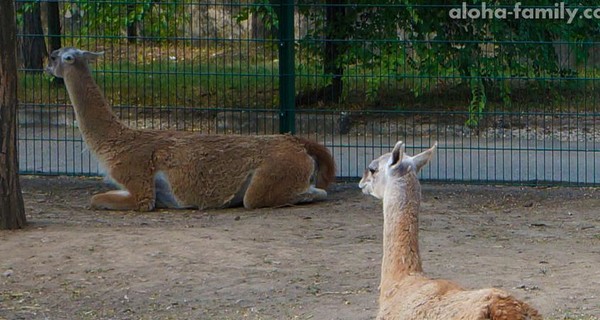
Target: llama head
{"x":392,"y":166}
{"x":63,"y":59}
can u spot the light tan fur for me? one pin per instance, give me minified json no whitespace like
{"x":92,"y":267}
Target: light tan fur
{"x":190,"y":169}
{"x":405,"y":292}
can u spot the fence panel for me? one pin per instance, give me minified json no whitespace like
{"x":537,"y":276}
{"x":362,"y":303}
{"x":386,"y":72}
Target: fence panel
{"x":509,"y":100}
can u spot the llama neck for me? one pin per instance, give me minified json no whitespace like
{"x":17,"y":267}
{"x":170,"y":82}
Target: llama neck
{"x":94,"y":115}
{"x":401,"y":229}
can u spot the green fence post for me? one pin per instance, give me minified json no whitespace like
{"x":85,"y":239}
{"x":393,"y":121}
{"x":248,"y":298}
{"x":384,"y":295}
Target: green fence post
{"x":287,"y":77}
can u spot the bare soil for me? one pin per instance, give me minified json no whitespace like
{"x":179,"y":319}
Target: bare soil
{"x":316,"y":261}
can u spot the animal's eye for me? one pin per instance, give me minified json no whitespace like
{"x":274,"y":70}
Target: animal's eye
{"x":372,"y":171}
{"x":68,"y":58}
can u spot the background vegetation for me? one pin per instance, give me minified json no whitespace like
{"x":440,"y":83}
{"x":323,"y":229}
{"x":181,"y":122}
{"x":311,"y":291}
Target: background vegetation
{"x":393,"y":54}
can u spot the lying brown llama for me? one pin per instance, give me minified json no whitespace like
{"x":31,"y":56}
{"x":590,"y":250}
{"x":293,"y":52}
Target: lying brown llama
{"x":178,"y":169}
{"x":405,"y":292}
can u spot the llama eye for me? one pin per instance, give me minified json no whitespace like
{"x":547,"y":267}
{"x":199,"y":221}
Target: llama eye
{"x":372,"y":171}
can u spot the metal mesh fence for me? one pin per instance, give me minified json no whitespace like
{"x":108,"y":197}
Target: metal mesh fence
{"x":508,"y":100}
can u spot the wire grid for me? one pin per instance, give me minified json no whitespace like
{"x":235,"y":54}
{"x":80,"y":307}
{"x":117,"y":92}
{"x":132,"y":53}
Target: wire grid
{"x":214,"y":68}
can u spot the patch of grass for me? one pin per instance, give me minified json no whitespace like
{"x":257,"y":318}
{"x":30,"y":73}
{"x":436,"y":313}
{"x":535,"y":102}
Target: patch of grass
{"x":245,"y":75}
{"x":166,"y":83}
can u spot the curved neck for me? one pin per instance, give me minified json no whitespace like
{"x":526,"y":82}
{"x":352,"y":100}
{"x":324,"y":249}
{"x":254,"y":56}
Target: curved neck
{"x":401,"y":229}
{"x":94,"y":115}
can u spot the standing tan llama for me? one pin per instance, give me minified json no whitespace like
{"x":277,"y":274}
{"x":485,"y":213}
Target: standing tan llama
{"x":405,"y":292}
{"x":177,"y":169}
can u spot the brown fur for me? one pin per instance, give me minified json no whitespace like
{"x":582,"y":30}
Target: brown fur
{"x":204,"y":171}
{"x":324,"y":160}
{"x":405,"y":292}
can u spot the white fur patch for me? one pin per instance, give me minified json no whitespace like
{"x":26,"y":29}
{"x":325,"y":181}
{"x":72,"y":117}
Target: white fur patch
{"x":123,"y":193}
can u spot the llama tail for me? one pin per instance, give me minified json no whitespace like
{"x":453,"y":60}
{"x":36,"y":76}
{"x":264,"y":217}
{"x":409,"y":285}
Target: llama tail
{"x":509,"y":308}
{"x":325,"y":162}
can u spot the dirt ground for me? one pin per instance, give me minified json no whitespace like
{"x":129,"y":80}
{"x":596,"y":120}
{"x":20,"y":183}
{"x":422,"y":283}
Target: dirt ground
{"x":316,"y":261}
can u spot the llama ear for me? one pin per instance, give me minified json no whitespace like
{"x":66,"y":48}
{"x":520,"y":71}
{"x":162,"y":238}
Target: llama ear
{"x":397,"y":153}
{"x":423,"y":158}
{"x":90,"y":56}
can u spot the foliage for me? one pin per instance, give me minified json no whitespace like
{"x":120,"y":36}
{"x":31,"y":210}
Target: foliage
{"x":111,"y":19}
{"x":264,"y":11}
{"x":396,"y":40}
{"x":22,"y":8}
{"x":478,"y":98}
{"x":407,"y":38}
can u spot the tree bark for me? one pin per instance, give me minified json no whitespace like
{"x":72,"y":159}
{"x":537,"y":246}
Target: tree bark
{"x":12,"y":212}
{"x":335,"y":32}
{"x":334,"y":18}
{"x":132,"y":26}
{"x":53,"y":19}
{"x":33,"y":46}
{"x":54,"y":31}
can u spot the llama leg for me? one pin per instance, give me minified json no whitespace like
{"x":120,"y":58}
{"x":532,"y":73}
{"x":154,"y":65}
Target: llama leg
{"x":114,"y":200}
{"x":311,"y":195}
{"x":138,"y":193}
{"x":279,"y":181}
{"x":264,"y":192}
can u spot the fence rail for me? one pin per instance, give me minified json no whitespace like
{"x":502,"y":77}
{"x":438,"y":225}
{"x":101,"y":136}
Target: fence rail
{"x":510,"y":101}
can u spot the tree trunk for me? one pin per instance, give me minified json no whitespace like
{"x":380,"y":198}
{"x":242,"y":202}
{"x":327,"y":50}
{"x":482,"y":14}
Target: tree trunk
{"x":132,"y":26}
{"x":12,"y":212}
{"x":33,"y":46}
{"x":53,"y":18}
{"x":258,"y":27}
{"x":261,"y":24}
{"x":54,"y":32}
{"x":335,"y":33}
{"x":334,"y":17}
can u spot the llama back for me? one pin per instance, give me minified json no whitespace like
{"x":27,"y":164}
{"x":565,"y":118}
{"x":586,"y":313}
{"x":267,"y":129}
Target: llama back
{"x":508,"y":308}
{"x":489,"y":303}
